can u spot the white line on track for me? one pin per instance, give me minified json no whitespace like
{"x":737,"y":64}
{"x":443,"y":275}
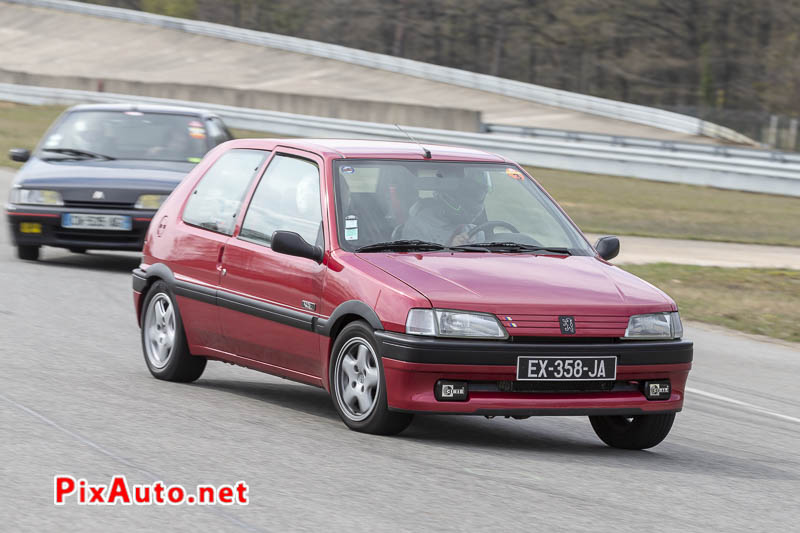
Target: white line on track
{"x":742,"y":404}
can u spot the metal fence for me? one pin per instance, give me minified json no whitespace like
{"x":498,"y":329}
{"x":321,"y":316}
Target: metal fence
{"x":739,"y":169}
{"x":622,"y":140}
{"x":525,"y":91}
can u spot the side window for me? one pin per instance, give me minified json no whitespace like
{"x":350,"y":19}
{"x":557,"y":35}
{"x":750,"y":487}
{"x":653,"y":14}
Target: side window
{"x":287,"y":199}
{"x":216,"y":200}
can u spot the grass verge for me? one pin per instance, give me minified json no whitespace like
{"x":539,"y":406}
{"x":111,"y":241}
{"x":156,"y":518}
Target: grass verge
{"x":21,"y":126}
{"x":753,"y":300}
{"x":627,"y":206}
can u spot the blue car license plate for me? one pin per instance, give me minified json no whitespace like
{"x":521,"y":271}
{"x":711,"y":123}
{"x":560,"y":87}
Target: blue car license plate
{"x":100,"y":222}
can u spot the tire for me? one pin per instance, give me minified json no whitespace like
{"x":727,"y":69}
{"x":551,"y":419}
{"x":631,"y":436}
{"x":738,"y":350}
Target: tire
{"x":637,"y":433}
{"x":358,"y":386}
{"x":166,"y":352}
{"x":28,"y":252}
{"x":77,"y":250}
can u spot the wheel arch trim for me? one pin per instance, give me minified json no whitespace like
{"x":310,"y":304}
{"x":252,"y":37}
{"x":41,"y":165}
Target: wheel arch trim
{"x":329,"y":326}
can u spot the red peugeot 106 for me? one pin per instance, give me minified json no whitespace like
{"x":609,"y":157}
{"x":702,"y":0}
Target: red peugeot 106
{"x":405,"y":280}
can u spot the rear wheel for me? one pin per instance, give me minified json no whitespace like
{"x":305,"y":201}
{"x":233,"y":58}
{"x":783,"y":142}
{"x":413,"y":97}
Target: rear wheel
{"x":164,"y":341}
{"x":28,"y":252}
{"x":358,"y":386}
{"x":632,"y":433}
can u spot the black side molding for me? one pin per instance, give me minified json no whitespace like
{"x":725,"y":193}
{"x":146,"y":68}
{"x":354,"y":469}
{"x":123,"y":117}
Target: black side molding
{"x":139,"y":280}
{"x":195,"y":292}
{"x":288,"y":317}
{"x":251,"y":306}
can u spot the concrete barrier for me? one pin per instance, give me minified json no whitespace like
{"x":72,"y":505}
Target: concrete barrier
{"x":321,"y":106}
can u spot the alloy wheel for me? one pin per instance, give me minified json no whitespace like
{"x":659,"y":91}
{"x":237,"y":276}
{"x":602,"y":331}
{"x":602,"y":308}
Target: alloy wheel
{"x":357,"y":379}
{"x":159,"y":330}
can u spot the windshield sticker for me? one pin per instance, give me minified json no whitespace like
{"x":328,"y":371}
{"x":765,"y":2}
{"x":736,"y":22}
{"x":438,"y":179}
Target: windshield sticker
{"x":347,"y":170}
{"x":196,"y":130}
{"x":514,"y":173}
{"x":194,"y":159}
{"x":53,"y":140}
{"x":351,"y":228}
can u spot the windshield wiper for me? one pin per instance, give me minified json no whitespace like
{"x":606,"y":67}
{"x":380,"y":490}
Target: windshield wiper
{"x":78,"y":153}
{"x":509,"y":247}
{"x":402,"y":245}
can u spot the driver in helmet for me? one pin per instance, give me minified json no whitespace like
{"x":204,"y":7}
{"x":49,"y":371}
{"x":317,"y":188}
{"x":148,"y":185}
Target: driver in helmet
{"x":452,"y":213}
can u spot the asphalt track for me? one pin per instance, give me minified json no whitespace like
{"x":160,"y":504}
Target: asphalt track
{"x":76,"y":398}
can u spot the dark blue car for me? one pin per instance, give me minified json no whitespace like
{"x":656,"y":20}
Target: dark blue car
{"x":100,"y":173}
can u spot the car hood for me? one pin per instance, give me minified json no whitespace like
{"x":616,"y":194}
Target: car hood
{"x":117,"y":174}
{"x":525,"y":285}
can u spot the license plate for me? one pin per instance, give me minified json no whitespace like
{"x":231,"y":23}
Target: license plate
{"x":30,"y":227}
{"x":105,"y":222}
{"x":599,"y":368}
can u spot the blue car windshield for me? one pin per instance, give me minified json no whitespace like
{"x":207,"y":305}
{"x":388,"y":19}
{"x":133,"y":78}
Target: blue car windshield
{"x":126,"y":135}
{"x":447,"y":204}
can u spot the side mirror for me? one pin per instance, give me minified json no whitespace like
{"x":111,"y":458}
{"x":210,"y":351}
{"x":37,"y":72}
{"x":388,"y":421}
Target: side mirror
{"x":19,"y":154}
{"x":607,"y":247}
{"x":290,"y":243}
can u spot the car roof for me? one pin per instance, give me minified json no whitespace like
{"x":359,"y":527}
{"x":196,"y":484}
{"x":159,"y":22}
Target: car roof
{"x":372,"y":149}
{"x":144,"y":108}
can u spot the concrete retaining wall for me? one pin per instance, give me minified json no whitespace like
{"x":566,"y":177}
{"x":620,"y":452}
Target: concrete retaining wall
{"x":361,"y":110}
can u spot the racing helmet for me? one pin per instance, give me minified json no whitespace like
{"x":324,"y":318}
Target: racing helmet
{"x":463,"y":203}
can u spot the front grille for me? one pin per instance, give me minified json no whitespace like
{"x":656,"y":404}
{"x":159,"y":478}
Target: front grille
{"x":551,"y":386}
{"x":98,"y":205}
{"x":529,"y":325}
{"x":555,"y":386}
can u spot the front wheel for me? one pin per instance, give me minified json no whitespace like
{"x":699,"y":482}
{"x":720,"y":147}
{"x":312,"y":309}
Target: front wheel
{"x":632,"y":433}
{"x":358,"y":386}
{"x":166,"y":351}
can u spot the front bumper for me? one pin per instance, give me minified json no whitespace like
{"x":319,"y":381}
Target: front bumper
{"x":53,"y":234}
{"x":412,"y":365}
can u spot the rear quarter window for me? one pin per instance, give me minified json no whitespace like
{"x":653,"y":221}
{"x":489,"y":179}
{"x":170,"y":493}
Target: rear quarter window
{"x":215,"y":201}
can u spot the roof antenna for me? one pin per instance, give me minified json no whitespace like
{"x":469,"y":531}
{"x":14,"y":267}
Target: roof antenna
{"x":425,"y":152}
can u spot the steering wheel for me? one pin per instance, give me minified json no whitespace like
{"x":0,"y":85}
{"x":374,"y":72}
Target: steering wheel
{"x":490,"y":225}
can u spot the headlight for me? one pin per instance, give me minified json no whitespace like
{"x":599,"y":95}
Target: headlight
{"x":447,"y":323}
{"x":150,"y":201}
{"x":655,"y":326}
{"x":35,"y":197}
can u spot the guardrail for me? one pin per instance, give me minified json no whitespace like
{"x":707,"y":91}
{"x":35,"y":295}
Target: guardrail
{"x":763,"y":174}
{"x":526,"y":91}
{"x":622,"y":140}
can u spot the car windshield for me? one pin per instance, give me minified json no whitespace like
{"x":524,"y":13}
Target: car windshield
{"x":126,"y":135}
{"x":425,"y":206}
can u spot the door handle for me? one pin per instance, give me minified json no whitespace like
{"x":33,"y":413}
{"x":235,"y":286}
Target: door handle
{"x":219,"y":260}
